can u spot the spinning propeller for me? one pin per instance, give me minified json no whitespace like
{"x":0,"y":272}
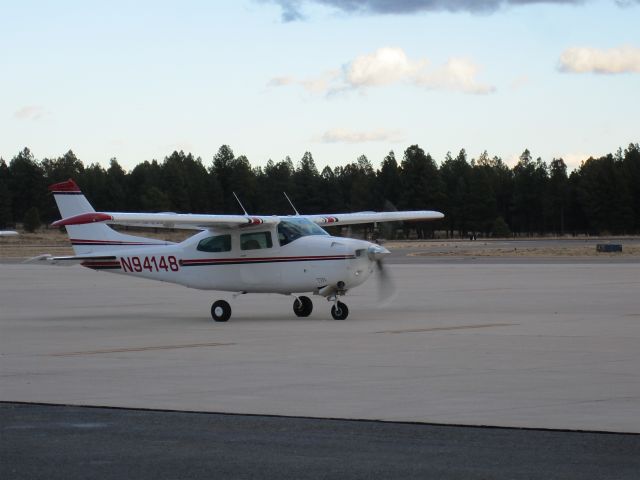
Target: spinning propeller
{"x":386,"y":286}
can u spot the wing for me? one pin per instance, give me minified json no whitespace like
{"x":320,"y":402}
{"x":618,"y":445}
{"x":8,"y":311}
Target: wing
{"x":374,"y":217}
{"x":201,"y":221}
{"x":167,"y":220}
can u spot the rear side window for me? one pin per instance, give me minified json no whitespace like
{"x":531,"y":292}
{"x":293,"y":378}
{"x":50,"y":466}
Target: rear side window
{"x":219,"y":243}
{"x":255,"y":240}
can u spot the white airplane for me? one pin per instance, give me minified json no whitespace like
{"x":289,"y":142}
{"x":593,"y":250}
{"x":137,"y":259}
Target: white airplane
{"x":8,"y":233}
{"x":289,"y":255}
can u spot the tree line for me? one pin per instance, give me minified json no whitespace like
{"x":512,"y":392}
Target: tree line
{"x":480,"y":196}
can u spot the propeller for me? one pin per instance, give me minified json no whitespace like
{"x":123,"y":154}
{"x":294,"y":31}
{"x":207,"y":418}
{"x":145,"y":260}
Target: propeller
{"x":386,"y":286}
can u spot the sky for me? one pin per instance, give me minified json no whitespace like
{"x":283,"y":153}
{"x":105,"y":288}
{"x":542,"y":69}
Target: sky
{"x":338,"y":78}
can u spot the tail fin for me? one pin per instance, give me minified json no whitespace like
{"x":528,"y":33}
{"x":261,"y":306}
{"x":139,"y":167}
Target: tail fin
{"x":92,"y":238}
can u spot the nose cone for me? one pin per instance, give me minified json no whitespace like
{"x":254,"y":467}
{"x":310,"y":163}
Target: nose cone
{"x":376,"y":252}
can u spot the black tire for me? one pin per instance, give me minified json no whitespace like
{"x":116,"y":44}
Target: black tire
{"x":221,"y":311}
{"x":341,"y":312}
{"x":302,"y":306}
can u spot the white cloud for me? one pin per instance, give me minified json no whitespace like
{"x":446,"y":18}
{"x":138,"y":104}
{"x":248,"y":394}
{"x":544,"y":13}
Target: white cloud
{"x":625,"y":59}
{"x":319,"y":84}
{"x":30,"y":112}
{"x":385,"y":66}
{"x":389,"y":66}
{"x":322,"y":83}
{"x":457,"y":74}
{"x":281,"y":81}
{"x":343,"y":135}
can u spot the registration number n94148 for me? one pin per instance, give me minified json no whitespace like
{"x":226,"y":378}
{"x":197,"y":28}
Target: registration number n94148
{"x":149,"y":264}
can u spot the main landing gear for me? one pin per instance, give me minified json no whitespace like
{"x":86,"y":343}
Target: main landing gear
{"x":221,"y":311}
{"x":302,"y":306}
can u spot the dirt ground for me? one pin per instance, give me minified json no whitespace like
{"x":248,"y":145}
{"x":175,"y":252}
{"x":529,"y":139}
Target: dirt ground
{"x":56,"y":242}
{"x":515,"y":248}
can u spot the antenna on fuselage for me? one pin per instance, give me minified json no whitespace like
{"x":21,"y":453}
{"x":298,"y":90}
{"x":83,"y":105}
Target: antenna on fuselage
{"x":240,"y":203}
{"x":290,"y":203}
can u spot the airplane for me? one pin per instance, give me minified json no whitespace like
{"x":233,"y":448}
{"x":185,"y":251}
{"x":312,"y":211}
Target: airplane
{"x":289,"y":255}
{"x":8,"y":233}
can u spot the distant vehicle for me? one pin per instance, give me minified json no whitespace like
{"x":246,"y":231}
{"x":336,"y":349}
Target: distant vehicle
{"x":8,"y":233}
{"x":289,"y":255}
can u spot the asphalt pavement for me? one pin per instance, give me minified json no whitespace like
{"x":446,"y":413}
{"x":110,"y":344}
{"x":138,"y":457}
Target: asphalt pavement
{"x":66,"y":442}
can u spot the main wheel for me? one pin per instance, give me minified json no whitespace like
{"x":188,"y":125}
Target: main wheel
{"x":339,"y":311}
{"x":302,"y":306}
{"x":221,"y":311}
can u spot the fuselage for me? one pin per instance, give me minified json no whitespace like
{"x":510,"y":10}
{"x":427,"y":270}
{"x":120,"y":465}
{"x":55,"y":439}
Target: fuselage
{"x":261,"y":259}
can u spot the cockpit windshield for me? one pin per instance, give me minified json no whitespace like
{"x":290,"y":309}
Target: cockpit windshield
{"x":294,"y":228}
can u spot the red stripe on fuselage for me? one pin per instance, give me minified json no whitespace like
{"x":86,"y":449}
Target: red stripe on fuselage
{"x":222,"y":261}
{"x":77,"y":241}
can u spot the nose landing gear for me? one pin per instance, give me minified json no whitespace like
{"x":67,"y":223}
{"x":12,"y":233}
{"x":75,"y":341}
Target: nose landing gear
{"x":339,"y":311}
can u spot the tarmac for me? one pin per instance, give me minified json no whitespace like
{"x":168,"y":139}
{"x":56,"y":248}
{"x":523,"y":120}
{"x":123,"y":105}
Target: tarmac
{"x":478,"y":367}
{"x":68,"y":443}
{"x":517,"y":345}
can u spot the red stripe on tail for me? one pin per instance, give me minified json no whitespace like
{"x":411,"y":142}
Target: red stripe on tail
{"x":82,"y":219}
{"x":66,"y":186}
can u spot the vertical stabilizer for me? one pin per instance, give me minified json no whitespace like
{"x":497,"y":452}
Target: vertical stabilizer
{"x":91,"y":238}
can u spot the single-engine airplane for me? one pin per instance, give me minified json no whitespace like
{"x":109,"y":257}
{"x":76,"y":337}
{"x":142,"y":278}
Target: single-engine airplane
{"x":289,"y":255}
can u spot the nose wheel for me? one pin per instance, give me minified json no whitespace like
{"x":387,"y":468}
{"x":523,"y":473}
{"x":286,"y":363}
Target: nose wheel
{"x":302,"y":306}
{"x":221,"y":311}
{"x":339,"y":311}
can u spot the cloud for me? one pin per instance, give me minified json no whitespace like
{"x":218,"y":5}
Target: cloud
{"x":319,"y":84}
{"x":292,"y":9}
{"x":382,"y":67}
{"x":281,"y":81}
{"x":458,"y":74}
{"x":388,"y":66}
{"x":342,"y":135}
{"x":624,"y":59}
{"x":30,"y":112}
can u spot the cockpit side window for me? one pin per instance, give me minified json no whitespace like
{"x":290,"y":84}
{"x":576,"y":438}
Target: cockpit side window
{"x":293,"y":228}
{"x":219,"y":243}
{"x":255,"y":240}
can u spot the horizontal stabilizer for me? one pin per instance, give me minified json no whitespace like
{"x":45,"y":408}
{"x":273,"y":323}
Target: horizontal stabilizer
{"x":86,"y":260}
